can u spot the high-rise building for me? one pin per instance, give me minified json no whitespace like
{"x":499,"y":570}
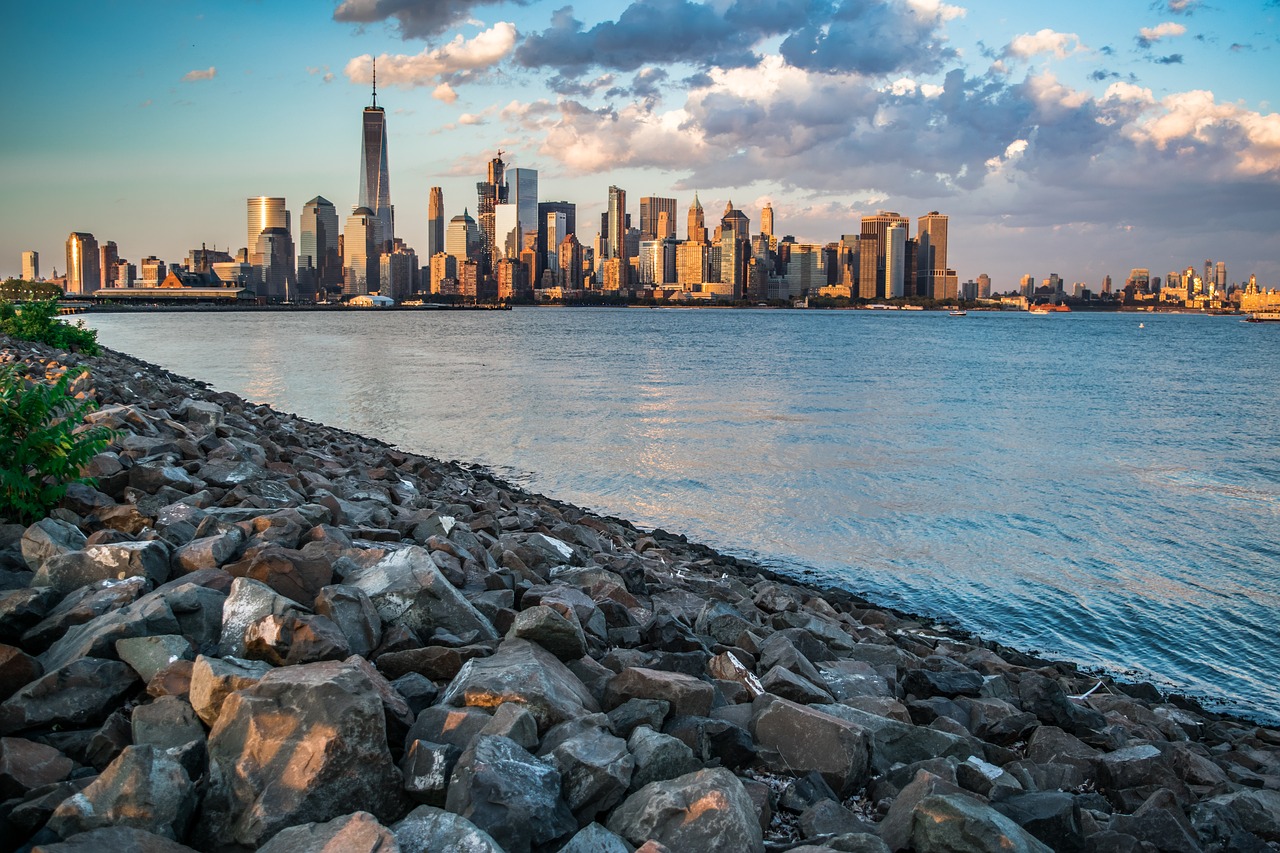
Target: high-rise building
{"x":263,"y":212}
{"x":507,"y":232}
{"x":873,"y":247}
{"x":83,"y":275}
{"x":491,"y":192}
{"x":435,"y":222}
{"x":362,"y":239}
{"x":319,"y":266}
{"x":931,"y":256}
{"x":651,"y":207}
{"x":522,"y":191}
{"x":666,"y":226}
{"x":31,"y":266}
{"x":616,"y":247}
{"x":275,"y":259}
{"x":397,"y":271}
{"x":464,"y":240}
{"x":571,"y":262}
{"x":110,"y":256}
{"x":696,"y":230}
{"x":375,"y":179}
{"x":984,"y":286}
{"x":555,"y":227}
{"x":443,"y":265}
{"x":155,"y":271}
{"x":895,"y":269}
{"x":570,"y":211}
{"x":1220,"y":275}
{"x":766,"y":219}
{"x":735,"y":248}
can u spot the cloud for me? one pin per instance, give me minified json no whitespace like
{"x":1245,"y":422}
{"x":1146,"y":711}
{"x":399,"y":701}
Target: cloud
{"x":1061,"y":45}
{"x":198,"y":74}
{"x":1171,"y":59}
{"x":873,"y":38}
{"x":414,"y":18}
{"x":1148,"y":36}
{"x":1179,"y":7}
{"x":457,"y":61}
{"x":444,"y":92}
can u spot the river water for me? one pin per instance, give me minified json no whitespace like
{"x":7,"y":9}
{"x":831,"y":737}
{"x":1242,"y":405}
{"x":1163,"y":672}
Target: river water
{"x":1099,"y":487}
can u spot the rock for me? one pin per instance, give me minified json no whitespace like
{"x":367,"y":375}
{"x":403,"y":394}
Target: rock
{"x":17,"y":669}
{"x":1160,"y":821}
{"x":67,"y":572}
{"x":213,"y":679}
{"x":707,"y":811}
{"x":594,"y":838}
{"x":726,"y":667}
{"x":892,"y":742}
{"x":509,"y":794}
{"x":291,"y":573}
{"x":49,"y":538}
{"x":353,"y":612}
{"x":828,"y":818}
{"x":208,"y":552}
{"x":595,"y":771}
{"x":658,"y":757}
{"x":1129,"y":776}
{"x":106,"y":744}
{"x":144,"y":788}
{"x":81,"y":693}
{"x":1046,"y":699}
{"x":638,"y":712}
{"x":950,"y":683}
{"x":785,"y":684}
{"x":722,"y":622}
{"x":438,"y":663}
{"x":408,"y":589}
{"x":166,"y":723}
{"x":149,"y":655}
{"x":950,"y":823}
{"x":427,"y":829}
{"x":358,"y":832}
{"x":294,"y":638}
{"x":1257,"y":810}
{"x":302,"y":744}
{"x":148,"y":616}
{"x":22,"y":609}
{"x":985,"y":779}
{"x":804,"y":792}
{"x":714,"y":741}
{"x":804,"y":739}
{"x":525,"y":673}
{"x":426,"y":768}
{"x":445,"y":725}
{"x":895,"y":828}
{"x":248,"y":602}
{"x":79,"y":607}
{"x":112,"y":838}
{"x":1051,"y":816}
{"x":548,"y":628}
{"x":26,"y":765}
{"x":513,"y":721}
{"x":687,"y":695}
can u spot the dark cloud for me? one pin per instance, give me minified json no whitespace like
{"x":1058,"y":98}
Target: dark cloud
{"x":1171,"y":59}
{"x":576,"y":87}
{"x":1107,"y":50}
{"x":1237,"y":47}
{"x":870,"y":38}
{"x":1103,"y":74}
{"x":414,"y":18}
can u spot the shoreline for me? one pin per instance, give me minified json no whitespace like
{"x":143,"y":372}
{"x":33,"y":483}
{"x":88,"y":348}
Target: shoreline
{"x":277,"y":560}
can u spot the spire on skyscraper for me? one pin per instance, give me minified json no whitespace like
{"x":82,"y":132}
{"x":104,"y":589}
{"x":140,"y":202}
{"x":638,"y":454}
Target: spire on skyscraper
{"x":375,"y":82}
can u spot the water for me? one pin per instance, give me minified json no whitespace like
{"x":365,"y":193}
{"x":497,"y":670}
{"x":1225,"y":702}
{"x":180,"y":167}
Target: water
{"x":1073,"y":484}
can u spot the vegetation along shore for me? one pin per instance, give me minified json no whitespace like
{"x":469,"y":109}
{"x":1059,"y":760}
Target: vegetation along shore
{"x":250,"y":631}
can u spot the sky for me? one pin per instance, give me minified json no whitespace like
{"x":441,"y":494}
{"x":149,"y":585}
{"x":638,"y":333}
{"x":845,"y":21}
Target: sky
{"x":1082,"y":138}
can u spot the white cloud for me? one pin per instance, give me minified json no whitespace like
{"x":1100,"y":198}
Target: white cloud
{"x":1061,"y":45}
{"x":460,"y":57}
{"x":198,"y":74}
{"x":1168,"y":29}
{"x":1194,"y":122}
{"x":444,"y":92}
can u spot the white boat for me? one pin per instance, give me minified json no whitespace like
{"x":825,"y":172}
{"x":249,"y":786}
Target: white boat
{"x":957,"y":313}
{"x":1263,"y":317}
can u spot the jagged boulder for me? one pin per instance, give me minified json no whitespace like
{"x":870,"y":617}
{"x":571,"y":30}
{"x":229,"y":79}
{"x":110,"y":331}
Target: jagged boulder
{"x":358,"y":832}
{"x":595,"y":769}
{"x":708,"y":811}
{"x":427,"y":829}
{"x":81,"y":693}
{"x":67,"y":572}
{"x":408,"y":589}
{"x":801,"y":738}
{"x":213,"y":679}
{"x":954,"y":823}
{"x":145,"y":788}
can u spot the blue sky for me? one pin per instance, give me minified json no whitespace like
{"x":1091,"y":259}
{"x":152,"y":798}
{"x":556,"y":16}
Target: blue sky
{"x":1083,"y":138}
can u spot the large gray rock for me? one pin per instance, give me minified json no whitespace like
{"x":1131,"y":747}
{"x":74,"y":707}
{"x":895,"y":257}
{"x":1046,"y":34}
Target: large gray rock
{"x":510,"y":794}
{"x":26,"y":765}
{"x":1257,"y":810}
{"x":70,"y":571}
{"x":800,"y":738}
{"x":408,"y":589}
{"x":248,"y":602}
{"x":208,"y":552}
{"x":294,"y":638}
{"x":112,"y":838}
{"x":893,"y":742}
{"x":548,"y":628}
{"x":148,"y":616}
{"x":351,"y":609}
{"x":526,"y":674}
{"x":145,"y":788}
{"x":79,"y":607}
{"x":952,"y":823}
{"x":595,"y":769}
{"x":427,"y":829}
{"x":688,"y":696}
{"x":48,"y":538}
{"x":79,"y":694}
{"x":168,"y":722}
{"x":358,"y":832}
{"x":303,"y":744}
{"x":213,"y":679}
{"x":594,"y":838}
{"x":708,"y":811}
{"x":658,"y":757}
{"x":149,"y":655}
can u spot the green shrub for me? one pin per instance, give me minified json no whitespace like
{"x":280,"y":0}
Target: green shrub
{"x":41,"y":451}
{"x":38,"y":321}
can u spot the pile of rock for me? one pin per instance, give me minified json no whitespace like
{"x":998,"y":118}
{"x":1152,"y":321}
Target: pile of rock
{"x":261,"y":633}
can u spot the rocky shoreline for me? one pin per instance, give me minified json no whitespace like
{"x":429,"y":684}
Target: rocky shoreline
{"x":259,"y":632}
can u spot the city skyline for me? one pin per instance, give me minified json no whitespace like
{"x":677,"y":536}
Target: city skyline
{"x":1109,"y":157}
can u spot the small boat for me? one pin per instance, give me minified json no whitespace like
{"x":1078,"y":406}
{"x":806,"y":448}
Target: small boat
{"x":1048,"y":308}
{"x":957,"y":313}
{"x":1142,"y":325}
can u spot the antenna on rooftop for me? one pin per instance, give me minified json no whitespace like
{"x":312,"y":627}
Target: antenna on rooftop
{"x":375,"y":81}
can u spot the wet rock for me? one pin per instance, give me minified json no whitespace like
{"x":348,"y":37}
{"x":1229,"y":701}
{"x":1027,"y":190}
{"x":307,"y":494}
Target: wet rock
{"x":948,"y":823}
{"x":595,"y":771}
{"x":522,"y":672}
{"x":548,"y":628}
{"x":26,"y":765}
{"x":359,"y":832}
{"x":144,"y":788}
{"x":213,"y":679}
{"x":804,"y":739}
{"x":78,"y":694}
{"x":686,"y":694}
{"x":408,"y":589}
{"x":509,"y":794}
{"x":302,"y":744}
{"x":708,"y":811}
{"x":427,"y":829}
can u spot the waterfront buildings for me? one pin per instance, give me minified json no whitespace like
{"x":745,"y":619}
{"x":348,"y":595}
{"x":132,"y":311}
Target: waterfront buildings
{"x":464,"y":240}
{"x":651,"y":210}
{"x":31,"y":266}
{"x":375,"y":176}
{"x":83,"y":274}
{"x":490,"y":193}
{"x":274,"y":264}
{"x":362,"y":242}
{"x":110,"y":256}
{"x":435,"y":222}
{"x":319,"y":264}
{"x":873,"y":251}
{"x":263,"y":212}
{"x":616,"y":239}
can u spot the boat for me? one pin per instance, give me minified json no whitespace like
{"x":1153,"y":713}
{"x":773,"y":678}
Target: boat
{"x":1263,"y":317}
{"x":957,"y":313}
{"x":1049,"y":308}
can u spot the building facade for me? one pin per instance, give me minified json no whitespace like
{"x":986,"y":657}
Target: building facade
{"x":83,"y":273}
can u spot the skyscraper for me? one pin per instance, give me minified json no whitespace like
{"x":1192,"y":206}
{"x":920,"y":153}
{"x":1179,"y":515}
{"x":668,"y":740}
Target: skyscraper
{"x":82,"y":264}
{"x":617,"y":236}
{"x":931,"y":259}
{"x":506,"y":232}
{"x":895,"y":269}
{"x":873,"y":247}
{"x":697,"y":226}
{"x":435,"y":222}
{"x":375,"y":181}
{"x":522,"y":191}
{"x":362,"y":241}
{"x":491,"y":193}
{"x":463,"y":240}
{"x":110,"y":256}
{"x":650,"y":208}
{"x":263,"y":212}
{"x":274,"y":254}
{"x":545,"y":244}
{"x":766,"y":219}
{"x":319,"y":268}
{"x":30,"y":266}
{"x":554,"y":229}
